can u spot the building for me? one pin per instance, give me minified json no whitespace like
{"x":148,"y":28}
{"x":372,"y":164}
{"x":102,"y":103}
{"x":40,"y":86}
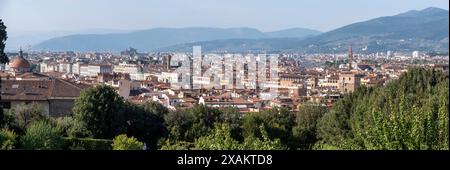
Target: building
{"x":415,"y":54}
{"x":65,"y":67}
{"x":132,"y":69}
{"x":19,"y":64}
{"x":54,"y":96}
{"x":48,"y":67}
{"x":92,"y":70}
{"x":349,"y":82}
{"x":330,"y":81}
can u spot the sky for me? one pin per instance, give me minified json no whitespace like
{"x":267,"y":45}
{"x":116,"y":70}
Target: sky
{"x":265,"y":15}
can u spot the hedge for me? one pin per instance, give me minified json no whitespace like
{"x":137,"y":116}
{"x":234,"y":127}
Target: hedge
{"x":87,"y":144}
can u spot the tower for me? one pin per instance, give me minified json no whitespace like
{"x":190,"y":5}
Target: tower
{"x":350,"y":57}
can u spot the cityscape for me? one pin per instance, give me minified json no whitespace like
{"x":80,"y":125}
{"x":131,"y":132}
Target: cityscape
{"x":362,"y":86}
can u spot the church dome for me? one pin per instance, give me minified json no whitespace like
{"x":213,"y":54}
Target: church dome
{"x":19,"y":62}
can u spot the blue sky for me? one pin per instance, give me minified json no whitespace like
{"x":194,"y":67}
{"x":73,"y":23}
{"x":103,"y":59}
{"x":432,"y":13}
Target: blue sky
{"x":266,"y":15}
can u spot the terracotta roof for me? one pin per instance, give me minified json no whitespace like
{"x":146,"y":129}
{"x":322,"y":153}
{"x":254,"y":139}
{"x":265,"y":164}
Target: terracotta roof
{"x":19,"y":62}
{"x":31,"y":90}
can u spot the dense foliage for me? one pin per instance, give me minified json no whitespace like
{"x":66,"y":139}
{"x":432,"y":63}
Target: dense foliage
{"x":100,"y":112}
{"x":7,"y":139}
{"x":41,"y":135}
{"x":122,"y":142}
{"x":3,"y":36}
{"x":409,"y":113}
{"x":71,"y":143}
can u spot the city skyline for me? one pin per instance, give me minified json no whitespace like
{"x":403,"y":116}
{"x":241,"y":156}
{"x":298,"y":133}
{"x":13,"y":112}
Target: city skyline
{"x":263,"y":15}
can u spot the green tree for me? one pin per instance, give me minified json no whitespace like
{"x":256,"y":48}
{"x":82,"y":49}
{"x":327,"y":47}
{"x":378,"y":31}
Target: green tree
{"x":220,"y":139}
{"x":3,"y":60}
{"x":191,"y":123}
{"x":102,"y":110}
{"x":408,"y":113}
{"x":122,"y":142}
{"x":233,"y":117}
{"x":41,"y":135}
{"x":305,"y":132}
{"x":157,"y":109}
{"x":71,"y":127}
{"x":277,"y":122}
{"x":145,"y":124}
{"x":7,"y":139}
{"x":20,"y":116}
{"x":3,"y":36}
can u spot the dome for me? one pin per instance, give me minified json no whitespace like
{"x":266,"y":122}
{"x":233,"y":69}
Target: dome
{"x":19,"y":62}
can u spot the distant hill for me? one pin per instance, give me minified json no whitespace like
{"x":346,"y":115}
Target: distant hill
{"x":152,"y":39}
{"x":26,"y":40}
{"x":425,"y":30}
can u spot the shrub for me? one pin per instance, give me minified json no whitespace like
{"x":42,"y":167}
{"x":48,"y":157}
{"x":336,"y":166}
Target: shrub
{"x":71,"y":127}
{"x":122,"y":142}
{"x":71,"y":143}
{"x":7,"y":139}
{"x":41,"y":135}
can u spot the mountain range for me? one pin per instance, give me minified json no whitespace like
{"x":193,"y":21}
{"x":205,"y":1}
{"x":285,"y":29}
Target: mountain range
{"x":424,"y":30}
{"x":153,"y":39}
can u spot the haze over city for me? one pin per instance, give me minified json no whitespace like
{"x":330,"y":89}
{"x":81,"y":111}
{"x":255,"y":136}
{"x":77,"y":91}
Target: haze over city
{"x":266,"y":15}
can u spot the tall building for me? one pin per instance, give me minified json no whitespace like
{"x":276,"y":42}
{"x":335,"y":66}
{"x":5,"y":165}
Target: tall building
{"x":415,"y":54}
{"x":350,"y":57}
{"x":349,"y":82}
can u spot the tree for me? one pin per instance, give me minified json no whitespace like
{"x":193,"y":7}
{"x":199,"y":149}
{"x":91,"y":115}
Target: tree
{"x":231,"y":116}
{"x":191,"y":123}
{"x":220,"y":139}
{"x":20,"y":116}
{"x":3,"y":60}
{"x":157,"y":109}
{"x":145,"y":124}
{"x":305,"y":132}
{"x":71,"y":127}
{"x":41,"y":135}
{"x":178,"y":122}
{"x":122,"y":142}
{"x":7,"y":139}
{"x":3,"y":36}
{"x":101,"y":109}
{"x":277,"y":122}
{"x":408,"y":113}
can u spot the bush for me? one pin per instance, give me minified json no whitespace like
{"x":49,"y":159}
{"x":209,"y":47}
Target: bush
{"x":7,"y":139}
{"x":71,"y":127}
{"x":122,"y":142}
{"x":41,"y":135}
{"x":178,"y":145}
{"x":71,"y":143}
{"x":24,"y":114}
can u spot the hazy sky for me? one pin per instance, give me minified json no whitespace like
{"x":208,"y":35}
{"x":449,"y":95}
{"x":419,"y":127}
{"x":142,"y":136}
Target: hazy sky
{"x":266,"y":15}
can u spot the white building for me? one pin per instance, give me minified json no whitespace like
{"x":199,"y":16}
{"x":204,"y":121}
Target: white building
{"x":48,"y":67}
{"x":65,"y":67}
{"x":93,"y":70}
{"x":415,"y":54}
{"x":135,"y":71}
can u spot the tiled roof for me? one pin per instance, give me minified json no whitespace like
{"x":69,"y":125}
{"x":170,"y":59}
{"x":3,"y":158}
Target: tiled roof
{"x":39,"y":89}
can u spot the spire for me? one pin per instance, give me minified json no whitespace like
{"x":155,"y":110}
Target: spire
{"x":20,"y":53}
{"x":350,"y":57}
